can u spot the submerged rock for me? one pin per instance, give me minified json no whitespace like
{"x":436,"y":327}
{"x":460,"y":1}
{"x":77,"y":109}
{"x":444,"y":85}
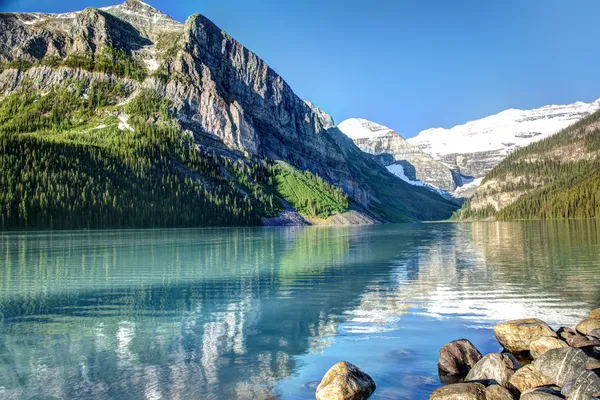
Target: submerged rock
{"x":497,"y":367}
{"x":542,"y":393}
{"x":458,"y":357}
{"x":561,"y":365}
{"x":462,"y":391}
{"x":528,"y":378}
{"x":497,"y":392}
{"x":516,"y":336}
{"x":345,"y":381}
{"x":543,"y":344}
{"x":585,"y":327}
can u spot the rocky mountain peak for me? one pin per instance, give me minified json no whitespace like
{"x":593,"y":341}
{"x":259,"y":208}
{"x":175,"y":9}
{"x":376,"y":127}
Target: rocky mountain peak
{"x":360,"y":128}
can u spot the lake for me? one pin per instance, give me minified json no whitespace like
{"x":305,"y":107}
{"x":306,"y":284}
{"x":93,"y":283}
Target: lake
{"x":264,"y":312}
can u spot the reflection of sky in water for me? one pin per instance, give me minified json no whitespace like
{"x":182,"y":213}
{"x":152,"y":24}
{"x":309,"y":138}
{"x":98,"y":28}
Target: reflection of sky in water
{"x":258,"y":313}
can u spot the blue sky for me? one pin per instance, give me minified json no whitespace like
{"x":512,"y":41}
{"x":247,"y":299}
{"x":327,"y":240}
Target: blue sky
{"x":411,"y":65}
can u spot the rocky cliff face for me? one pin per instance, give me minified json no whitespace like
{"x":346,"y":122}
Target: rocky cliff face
{"x":228,"y":98}
{"x":399,"y":156}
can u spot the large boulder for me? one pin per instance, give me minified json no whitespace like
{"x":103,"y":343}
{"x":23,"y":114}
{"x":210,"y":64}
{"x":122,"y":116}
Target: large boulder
{"x":584,"y":387}
{"x":585,"y":327}
{"x":595,"y":313}
{"x":561,"y":365}
{"x":458,"y":357}
{"x":460,"y":391}
{"x":498,"y":367}
{"x":528,"y":378}
{"x":542,"y":393}
{"x":345,"y":381}
{"x":516,"y":336}
{"x":497,"y":392}
{"x":543,"y":344}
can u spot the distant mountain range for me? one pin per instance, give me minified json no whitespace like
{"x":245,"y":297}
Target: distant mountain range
{"x":456,"y":160}
{"x":123,"y":117}
{"x":555,"y":178}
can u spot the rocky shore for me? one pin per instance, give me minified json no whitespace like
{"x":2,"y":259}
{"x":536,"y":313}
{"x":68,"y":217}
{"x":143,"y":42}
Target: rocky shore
{"x":537,"y":363}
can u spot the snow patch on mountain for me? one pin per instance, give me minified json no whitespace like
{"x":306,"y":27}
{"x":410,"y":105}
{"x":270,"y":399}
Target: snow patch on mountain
{"x":503,"y":132}
{"x":360,"y":128}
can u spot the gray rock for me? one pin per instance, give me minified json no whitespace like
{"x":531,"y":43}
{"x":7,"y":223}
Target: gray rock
{"x":595,"y":333}
{"x":561,"y":365}
{"x":345,"y":381}
{"x":498,"y":367}
{"x":458,"y":357}
{"x":516,"y":336}
{"x":584,"y":387}
{"x":462,"y":391}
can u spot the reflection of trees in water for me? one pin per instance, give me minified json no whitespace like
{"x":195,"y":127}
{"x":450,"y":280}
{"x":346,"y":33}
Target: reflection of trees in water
{"x":489,"y":272}
{"x":178,"y":315}
{"x":223,"y":313}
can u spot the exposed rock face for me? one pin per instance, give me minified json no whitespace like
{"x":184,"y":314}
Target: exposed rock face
{"x":458,"y":357}
{"x":498,"y":367}
{"x":561,"y":365}
{"x":497,"y":392}
{"x":463,"y":391}
{"x":345,"y":381}
{"x":595,"y":313}
{"x":517,"y":336}
{"x":587,"y":326}
{"x":231,"y":100}
{"x":527,"y":378}
{"x":377,"y":139}
{"x":543,"y":344}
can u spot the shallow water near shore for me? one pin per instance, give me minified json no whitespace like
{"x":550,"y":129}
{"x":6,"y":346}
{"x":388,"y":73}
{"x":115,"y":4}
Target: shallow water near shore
{"x":264,"y":312}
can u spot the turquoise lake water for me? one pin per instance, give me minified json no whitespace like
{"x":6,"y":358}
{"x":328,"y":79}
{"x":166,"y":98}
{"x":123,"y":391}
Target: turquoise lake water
{"x":262,"y":313}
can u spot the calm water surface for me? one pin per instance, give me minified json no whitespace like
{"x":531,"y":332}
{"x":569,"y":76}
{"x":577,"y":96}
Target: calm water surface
{"x":264,"y":312}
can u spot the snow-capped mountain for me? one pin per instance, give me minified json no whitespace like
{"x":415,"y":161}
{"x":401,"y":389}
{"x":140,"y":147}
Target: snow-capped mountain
{"x":401,"y":158}
{"x":476,"y":147}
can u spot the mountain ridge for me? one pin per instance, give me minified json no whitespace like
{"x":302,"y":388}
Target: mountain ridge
{"x":230,"y":104}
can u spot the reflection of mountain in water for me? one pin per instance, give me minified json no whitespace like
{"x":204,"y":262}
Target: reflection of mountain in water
{"x":487,"y":272}
{"x":173,"y":314}
{"x":226,"y":313}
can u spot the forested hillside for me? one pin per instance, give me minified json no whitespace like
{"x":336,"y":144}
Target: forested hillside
{"x":556,"y":178}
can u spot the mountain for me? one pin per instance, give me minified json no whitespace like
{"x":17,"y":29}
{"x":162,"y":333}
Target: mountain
{"x":557,"y":177}
{"x":123,"y":117}
{"x":400,"y":157}
{"x":476,"y":147}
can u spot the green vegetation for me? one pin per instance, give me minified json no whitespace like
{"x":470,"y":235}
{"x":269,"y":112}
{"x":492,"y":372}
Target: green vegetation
{"x":560,"y":177}
{"x":467,"y":212}
{"x":59,"y":173}
{"x":109,"y":61}
{"x":308,"y":193}
{"x":66,"y":164}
